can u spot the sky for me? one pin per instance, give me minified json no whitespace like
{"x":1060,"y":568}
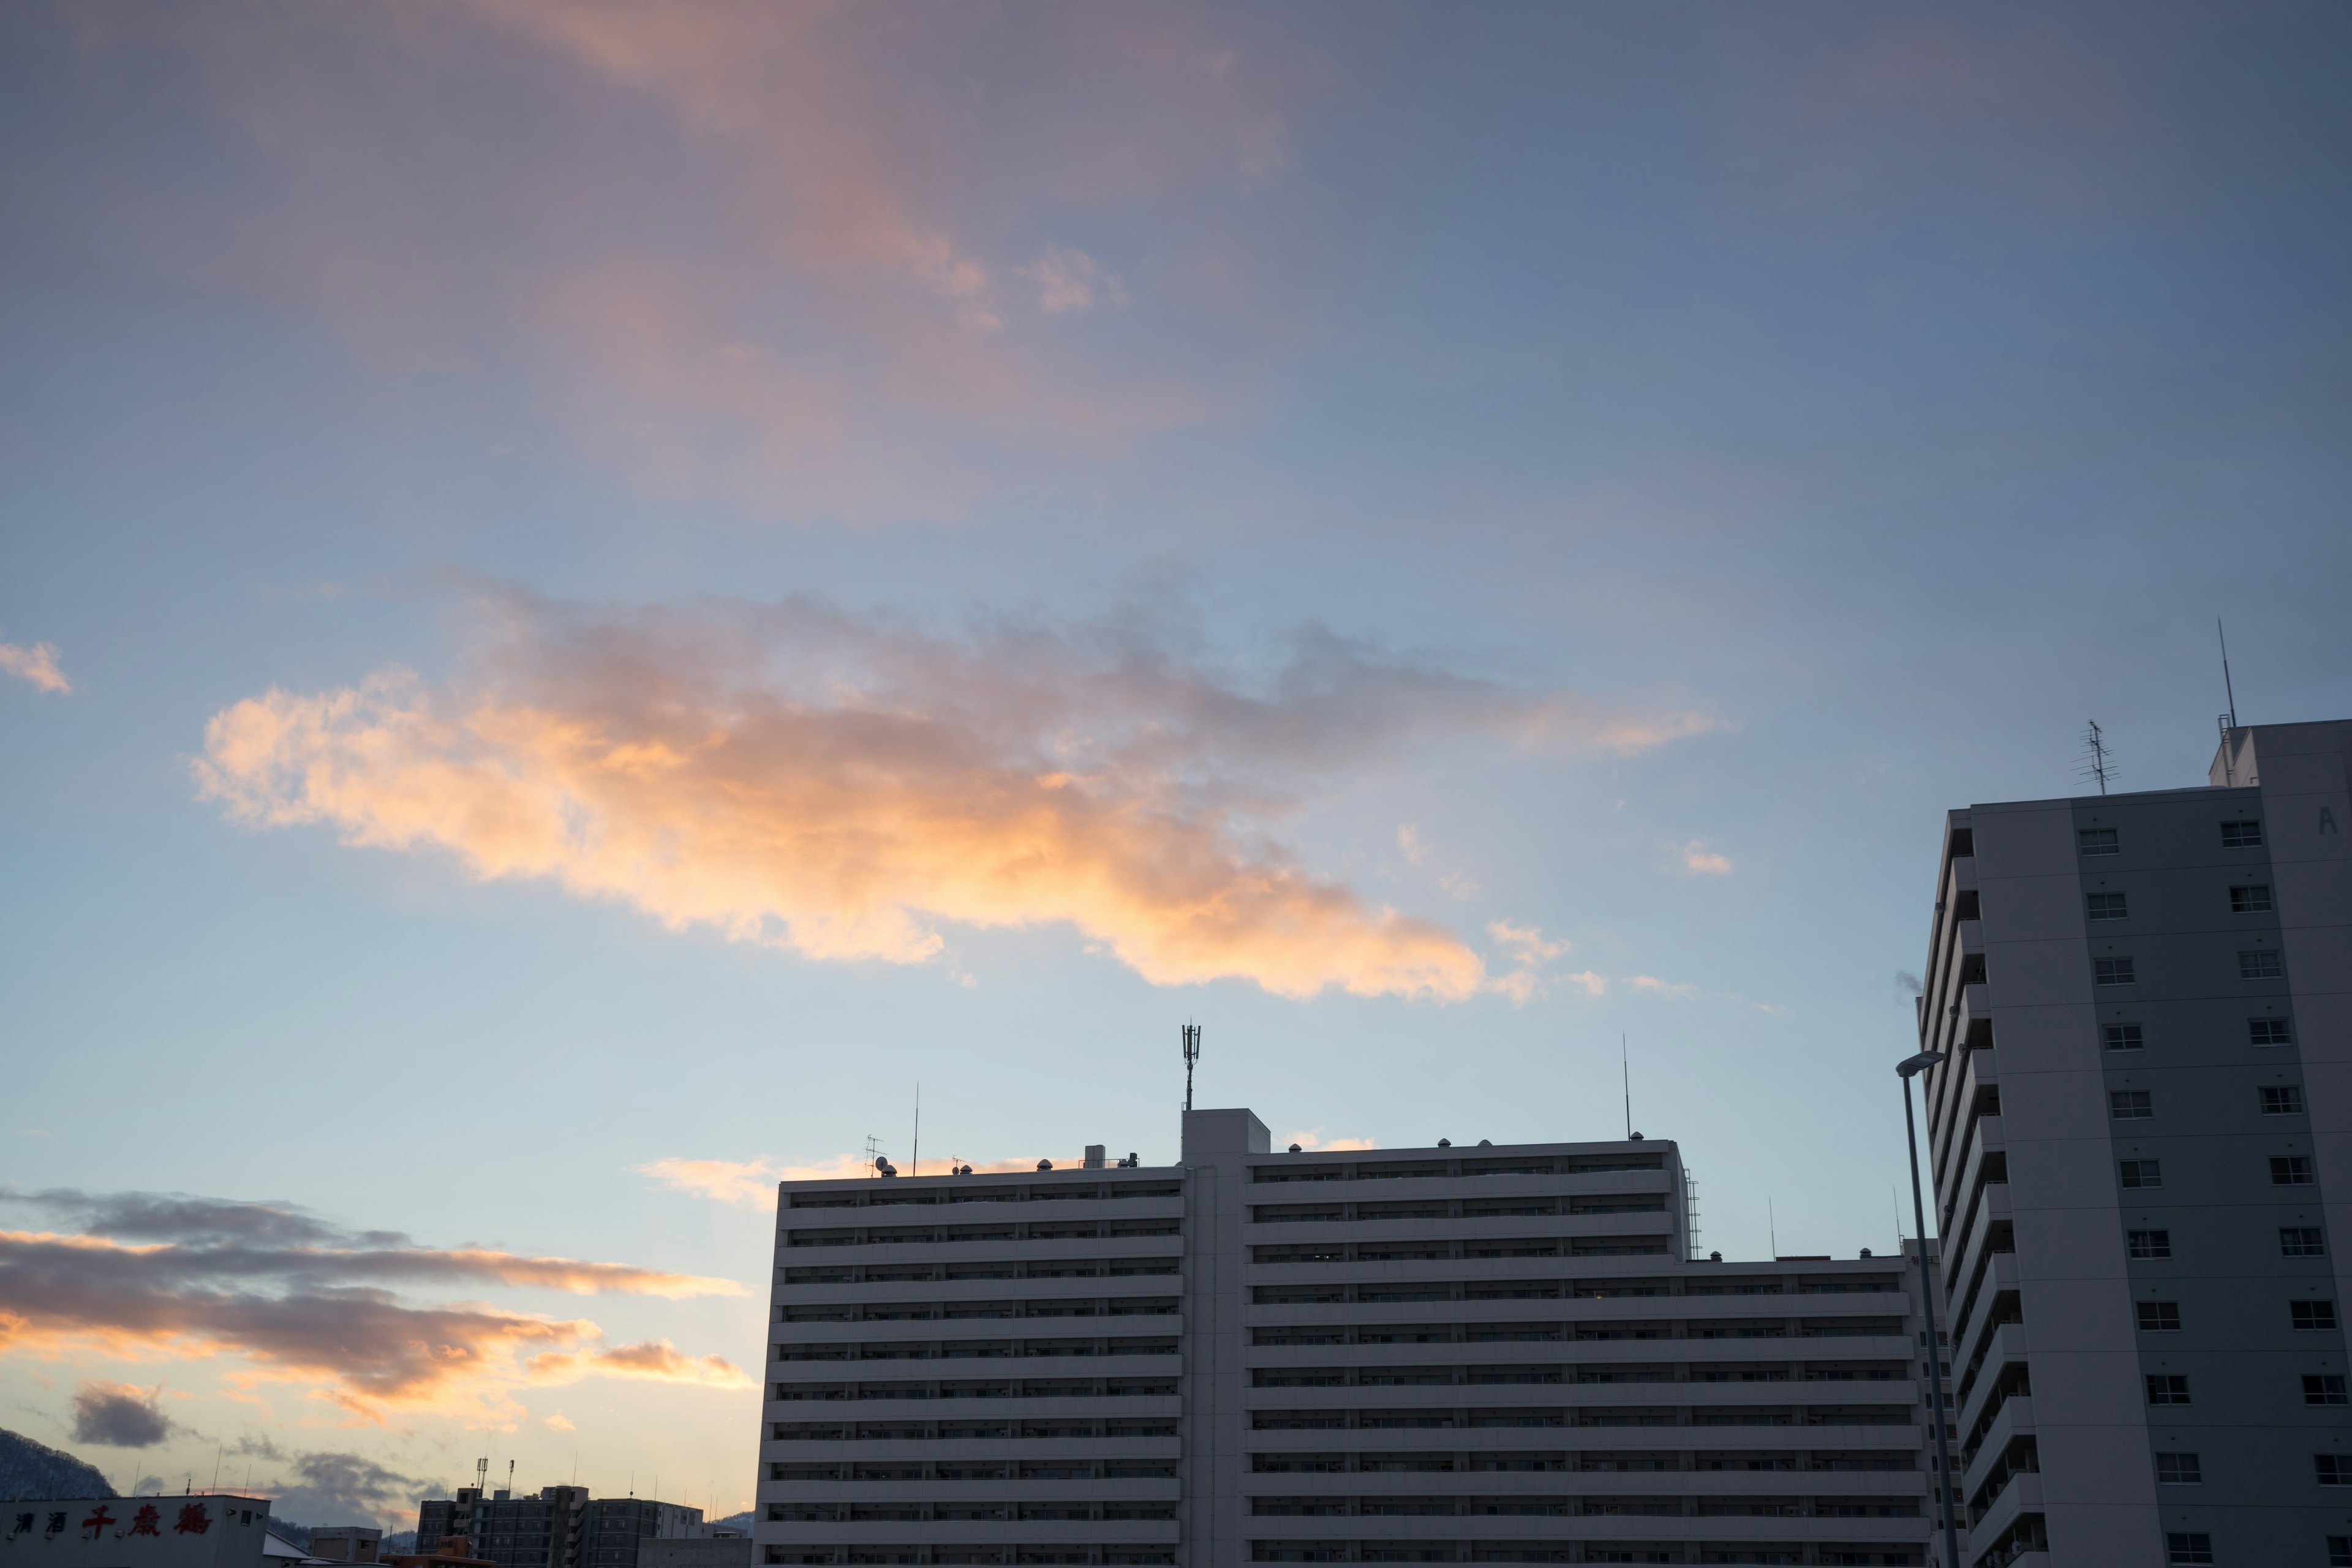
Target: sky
{"x":594,"y":598}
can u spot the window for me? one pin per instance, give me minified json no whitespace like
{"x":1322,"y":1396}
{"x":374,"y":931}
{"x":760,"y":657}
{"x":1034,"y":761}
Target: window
{"x":2269,"y":1032}
{"x":2143,"y":1173}
{"x":2334,"y":1470}
{"x":2252,"y":901}
{"x":2124,"y":1038}
{"x":2106,"y":907}
{"x":2166,"y":1388}
{"x":2131,"y":1105}
{"x":2158,"y":1317}
{"x":2112,"y":970}
{"x":2152,"y":1243}
{"x":2261,"y":964}
{"x":2301,"y":1241}
{"x":2187,"y":1546}
{"x":2282,"y":1099}
{"x":2324,"y":1389}
{"x":2312,"y":1314}
{"x":2178,"y":1470}
{"x":2290,"y":1171}
{"x":2339,"y":1552}
{"x":2241,"y":836}
{"x":2098,"y":841}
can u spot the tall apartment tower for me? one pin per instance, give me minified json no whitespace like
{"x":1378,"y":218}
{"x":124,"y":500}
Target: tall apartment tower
{"x":2141,"y":1161}
{"x":1447,"y":1354}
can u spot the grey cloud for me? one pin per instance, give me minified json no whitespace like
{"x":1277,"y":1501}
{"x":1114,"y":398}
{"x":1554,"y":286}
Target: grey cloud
{"x":339,"y":1488}
{"x":176,"y":1217}
{"x":296,"y":1308}
{"x":117,"y":1417}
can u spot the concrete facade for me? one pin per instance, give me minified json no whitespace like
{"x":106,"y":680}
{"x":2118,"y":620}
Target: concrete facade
{"x":1448,"y":1355}
{"x":2142,"y":1144}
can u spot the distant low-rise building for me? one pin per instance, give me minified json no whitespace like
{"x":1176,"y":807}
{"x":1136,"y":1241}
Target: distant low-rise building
{"x":345,"y":1542}
{"x":561,"y":1527}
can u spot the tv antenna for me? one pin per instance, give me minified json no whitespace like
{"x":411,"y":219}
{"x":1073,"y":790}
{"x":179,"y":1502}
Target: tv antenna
{"x":2101,"y":766}
{"x":1192,"y":1055}
{"x":914,"y":1160}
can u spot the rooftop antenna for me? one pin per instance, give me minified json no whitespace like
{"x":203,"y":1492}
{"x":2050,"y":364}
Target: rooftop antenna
{"x":915,"y":1160}
{"x":2227,"y":690}
{"x":2099,"y":767}
{"x":482,"y":1474}
{"x":510,"y":1464}
{"x":1625,"y":1067}
{"x":873,"y":1152}
{"x":2230,"y":719}
{"x":1192,"y":1055}
{"x":1772,"y":1226}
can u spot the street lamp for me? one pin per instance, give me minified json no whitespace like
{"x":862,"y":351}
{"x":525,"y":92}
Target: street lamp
{"x":1906,"y":1070}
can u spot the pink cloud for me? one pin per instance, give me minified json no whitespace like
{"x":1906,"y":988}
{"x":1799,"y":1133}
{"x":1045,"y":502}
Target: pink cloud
{"x":37,"y":664}
{"x":845,"y":787}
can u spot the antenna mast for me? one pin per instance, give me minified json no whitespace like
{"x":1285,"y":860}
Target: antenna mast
{"x":1192,"y":1055}
{"x":2098,"y":767}
{"x":914,"y":1160}
{"x":2227,"y":690}
{"x":2230,"y":719}
{"x":1625,"y":1066}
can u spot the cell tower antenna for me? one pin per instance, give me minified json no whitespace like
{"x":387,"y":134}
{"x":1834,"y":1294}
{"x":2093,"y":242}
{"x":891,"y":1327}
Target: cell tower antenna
{"x":914,"y":1160}
{"x":2101,"y":766}
{"x":1192,"y":1055}
{"x":2227,"y":690}
{"x":1625,"y":1070}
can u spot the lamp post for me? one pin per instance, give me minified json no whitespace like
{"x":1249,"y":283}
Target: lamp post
{"x":1906,"y":1070}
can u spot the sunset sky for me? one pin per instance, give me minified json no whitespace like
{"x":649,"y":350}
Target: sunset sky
{"x":590,"y":593}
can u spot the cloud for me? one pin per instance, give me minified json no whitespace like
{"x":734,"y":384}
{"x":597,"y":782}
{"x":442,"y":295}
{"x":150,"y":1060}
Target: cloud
{"x":1071,"y":282}
{"x":852,"y":349}
{"x":331,"y":1487}
{"x":1316,"y":1139}
{"x":1678,"y":991}
{"x":1526,"y":944}
{"x":1586,"y":981}
{"x":752,"y":1183}
{"x":749,"y":1184}
{"x":296,"y":1313}
{"x":1695,"y":859}
{"x":1409,"y":843}
{"x":118,"y":1416}
{"x":1529,"y":950}
{"x":556,"y":1421}
{"x":38,"y":664}
{"x":655,"y":1359}
{"x":845,"y":786}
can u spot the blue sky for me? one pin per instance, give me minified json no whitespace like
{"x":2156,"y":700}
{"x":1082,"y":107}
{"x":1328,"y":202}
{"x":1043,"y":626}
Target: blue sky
{"x":634,"y":584}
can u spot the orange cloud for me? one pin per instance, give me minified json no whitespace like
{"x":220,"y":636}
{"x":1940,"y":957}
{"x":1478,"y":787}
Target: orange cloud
{"x":221,"y":1287}
{"x":654,"y":1359}
{"x":38,"y":664}
{"x":843,"y":787}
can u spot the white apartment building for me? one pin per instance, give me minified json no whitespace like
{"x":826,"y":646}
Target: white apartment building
{"x":1486,"y":1354}
{"x":2142,"y":1147}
